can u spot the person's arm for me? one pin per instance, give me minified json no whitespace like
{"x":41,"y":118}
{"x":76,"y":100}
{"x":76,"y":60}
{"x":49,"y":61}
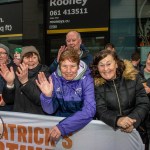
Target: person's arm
{"x":53,"y":66}
{"x":48,"y":100}
{"x":82,"y":117}
{"x":49,"y":104}
{"x":8,"y":94}
{"x":102,"y":112}
{"x":142,"y":104}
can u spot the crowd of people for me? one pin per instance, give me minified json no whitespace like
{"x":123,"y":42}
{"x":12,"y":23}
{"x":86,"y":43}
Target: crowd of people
{"x":77,"y":86}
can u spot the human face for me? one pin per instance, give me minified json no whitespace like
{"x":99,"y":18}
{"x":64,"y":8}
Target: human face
{"x":3,"y":56}
{"x":31,"y":61}
{"x":148,"y":63}
{"x":107,"y":68}
{"x":73,"y":40}
{"x":68,"y":69}
{"x":17,"y":55}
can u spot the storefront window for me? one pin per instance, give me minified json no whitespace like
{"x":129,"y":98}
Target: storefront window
{"x":123,"y":26}
{"x":143,"y":28}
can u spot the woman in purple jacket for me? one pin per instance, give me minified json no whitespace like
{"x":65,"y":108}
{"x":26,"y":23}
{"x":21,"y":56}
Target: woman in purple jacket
{"x":69,"y":92}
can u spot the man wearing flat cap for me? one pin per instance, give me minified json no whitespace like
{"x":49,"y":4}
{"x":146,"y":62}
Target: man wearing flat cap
{"x":22,"y":89}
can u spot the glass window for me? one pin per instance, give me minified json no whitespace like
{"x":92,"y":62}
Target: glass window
{"x":143,"y":28}
{"x":123,"y":26}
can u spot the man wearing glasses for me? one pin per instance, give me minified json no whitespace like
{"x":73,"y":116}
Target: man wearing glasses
{"x":4,"y":59}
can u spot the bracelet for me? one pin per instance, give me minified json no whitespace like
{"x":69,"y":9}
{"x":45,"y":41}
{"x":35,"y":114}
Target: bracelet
{"x":10,"y":86}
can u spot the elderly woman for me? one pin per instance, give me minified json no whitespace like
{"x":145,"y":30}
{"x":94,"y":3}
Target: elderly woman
{"x":121,"y":100}
{"x":21,"y":89}
{"x":69,"y":93}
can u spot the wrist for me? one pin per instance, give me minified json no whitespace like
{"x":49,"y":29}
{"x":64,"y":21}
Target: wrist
{"x":10,"y":86}
{"x":10,"y":83}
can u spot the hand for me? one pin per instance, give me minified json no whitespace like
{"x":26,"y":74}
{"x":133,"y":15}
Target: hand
{"x":128,"y":130}
{"x":45,"y":86}
{"x":22,"y":73}
{"x":54,"y":134}
{"x":147,"y":89}
{"x":2,"y":103}
{"x":7,"y":74}
{"x":125,"y":122}
{"x":62,"y":48}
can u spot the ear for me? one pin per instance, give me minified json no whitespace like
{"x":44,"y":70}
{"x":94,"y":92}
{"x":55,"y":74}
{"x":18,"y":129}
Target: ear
{"x":80,"y":41}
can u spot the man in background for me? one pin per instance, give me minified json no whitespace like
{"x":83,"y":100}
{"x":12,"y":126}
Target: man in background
{"x":73,"y":40}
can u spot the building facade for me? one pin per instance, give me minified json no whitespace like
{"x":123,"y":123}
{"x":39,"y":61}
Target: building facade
{"x":44,"y":23}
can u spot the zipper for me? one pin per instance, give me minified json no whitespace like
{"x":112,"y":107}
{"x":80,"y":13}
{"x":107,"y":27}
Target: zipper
{"x":117,"y":98}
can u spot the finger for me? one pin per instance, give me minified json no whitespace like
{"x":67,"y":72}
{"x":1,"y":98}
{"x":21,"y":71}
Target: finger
{"x":50,"y":79}
{"x":37,"y":82}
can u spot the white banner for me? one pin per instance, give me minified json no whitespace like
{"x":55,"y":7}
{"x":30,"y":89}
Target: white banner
{"x":30,"y":132}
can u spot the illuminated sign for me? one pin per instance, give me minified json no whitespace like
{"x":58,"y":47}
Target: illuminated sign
{"x":78,"y":14}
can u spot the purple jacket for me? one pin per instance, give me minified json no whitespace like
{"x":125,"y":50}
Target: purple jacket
{"x":73,"y":99}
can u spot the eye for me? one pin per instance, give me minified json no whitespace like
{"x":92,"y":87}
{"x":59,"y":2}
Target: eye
{"x":101,"y":65}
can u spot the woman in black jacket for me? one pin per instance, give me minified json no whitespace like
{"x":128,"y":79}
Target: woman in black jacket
{"x":121,"y":100}
{"x":21,"y":88}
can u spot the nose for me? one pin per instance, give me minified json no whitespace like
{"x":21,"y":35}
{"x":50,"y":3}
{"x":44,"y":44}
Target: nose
{"x":30,"y":58}
{"x":68,"y":70}
{"x":105,"y":67}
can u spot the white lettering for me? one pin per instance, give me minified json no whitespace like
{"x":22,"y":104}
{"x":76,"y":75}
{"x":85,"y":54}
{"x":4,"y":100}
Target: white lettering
{"x":8,"y":27}
{"x":2,"y":29}
{"x":52,"y":3}
{"x":84,"y":2}
{"x":1,"y":20}
{"x":67,"y":2}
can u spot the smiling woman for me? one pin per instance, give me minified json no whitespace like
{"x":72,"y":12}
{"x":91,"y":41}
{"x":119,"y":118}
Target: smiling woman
{"x":69,"y":92}
{"x":121,"y":100}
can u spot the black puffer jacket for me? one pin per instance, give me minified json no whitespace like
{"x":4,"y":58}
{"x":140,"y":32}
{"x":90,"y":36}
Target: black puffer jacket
{"x":26,"y":98}
{"x":124,"y":96}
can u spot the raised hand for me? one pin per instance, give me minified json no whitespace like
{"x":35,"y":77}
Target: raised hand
{"x":62,"y":48}
{"x":22,"y":73}
{"x":7,"y":74}
{"x":45,"y":86}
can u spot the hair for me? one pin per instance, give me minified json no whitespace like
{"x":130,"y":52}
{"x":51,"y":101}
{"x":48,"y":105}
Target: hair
{"x":148,"y":54}
{"x":103,"y":54}
{"x":135,"y":56}
{"x":76,"y":32}
{"x":109,"y":45}
{"x":30,"y":54}
{"x":71,"y":55}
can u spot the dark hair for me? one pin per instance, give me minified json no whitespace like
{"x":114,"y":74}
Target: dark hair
{"x":30,"y":54}
{"x":109,"y":45}
{"x":135,"y":56}
{"x":71,"y":55}
{"x":101,"y":55}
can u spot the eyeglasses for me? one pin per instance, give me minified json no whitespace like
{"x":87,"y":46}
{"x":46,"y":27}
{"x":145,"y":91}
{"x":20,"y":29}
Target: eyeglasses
{"x":3,"y":53}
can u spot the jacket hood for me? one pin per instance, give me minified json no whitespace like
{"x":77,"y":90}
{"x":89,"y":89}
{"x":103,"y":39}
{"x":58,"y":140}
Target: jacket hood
{"x":129,"y":73}
{"x":81,"y":71}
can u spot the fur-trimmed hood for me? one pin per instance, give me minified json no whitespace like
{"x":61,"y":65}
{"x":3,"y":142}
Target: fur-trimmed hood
{"x":129,"y":73}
